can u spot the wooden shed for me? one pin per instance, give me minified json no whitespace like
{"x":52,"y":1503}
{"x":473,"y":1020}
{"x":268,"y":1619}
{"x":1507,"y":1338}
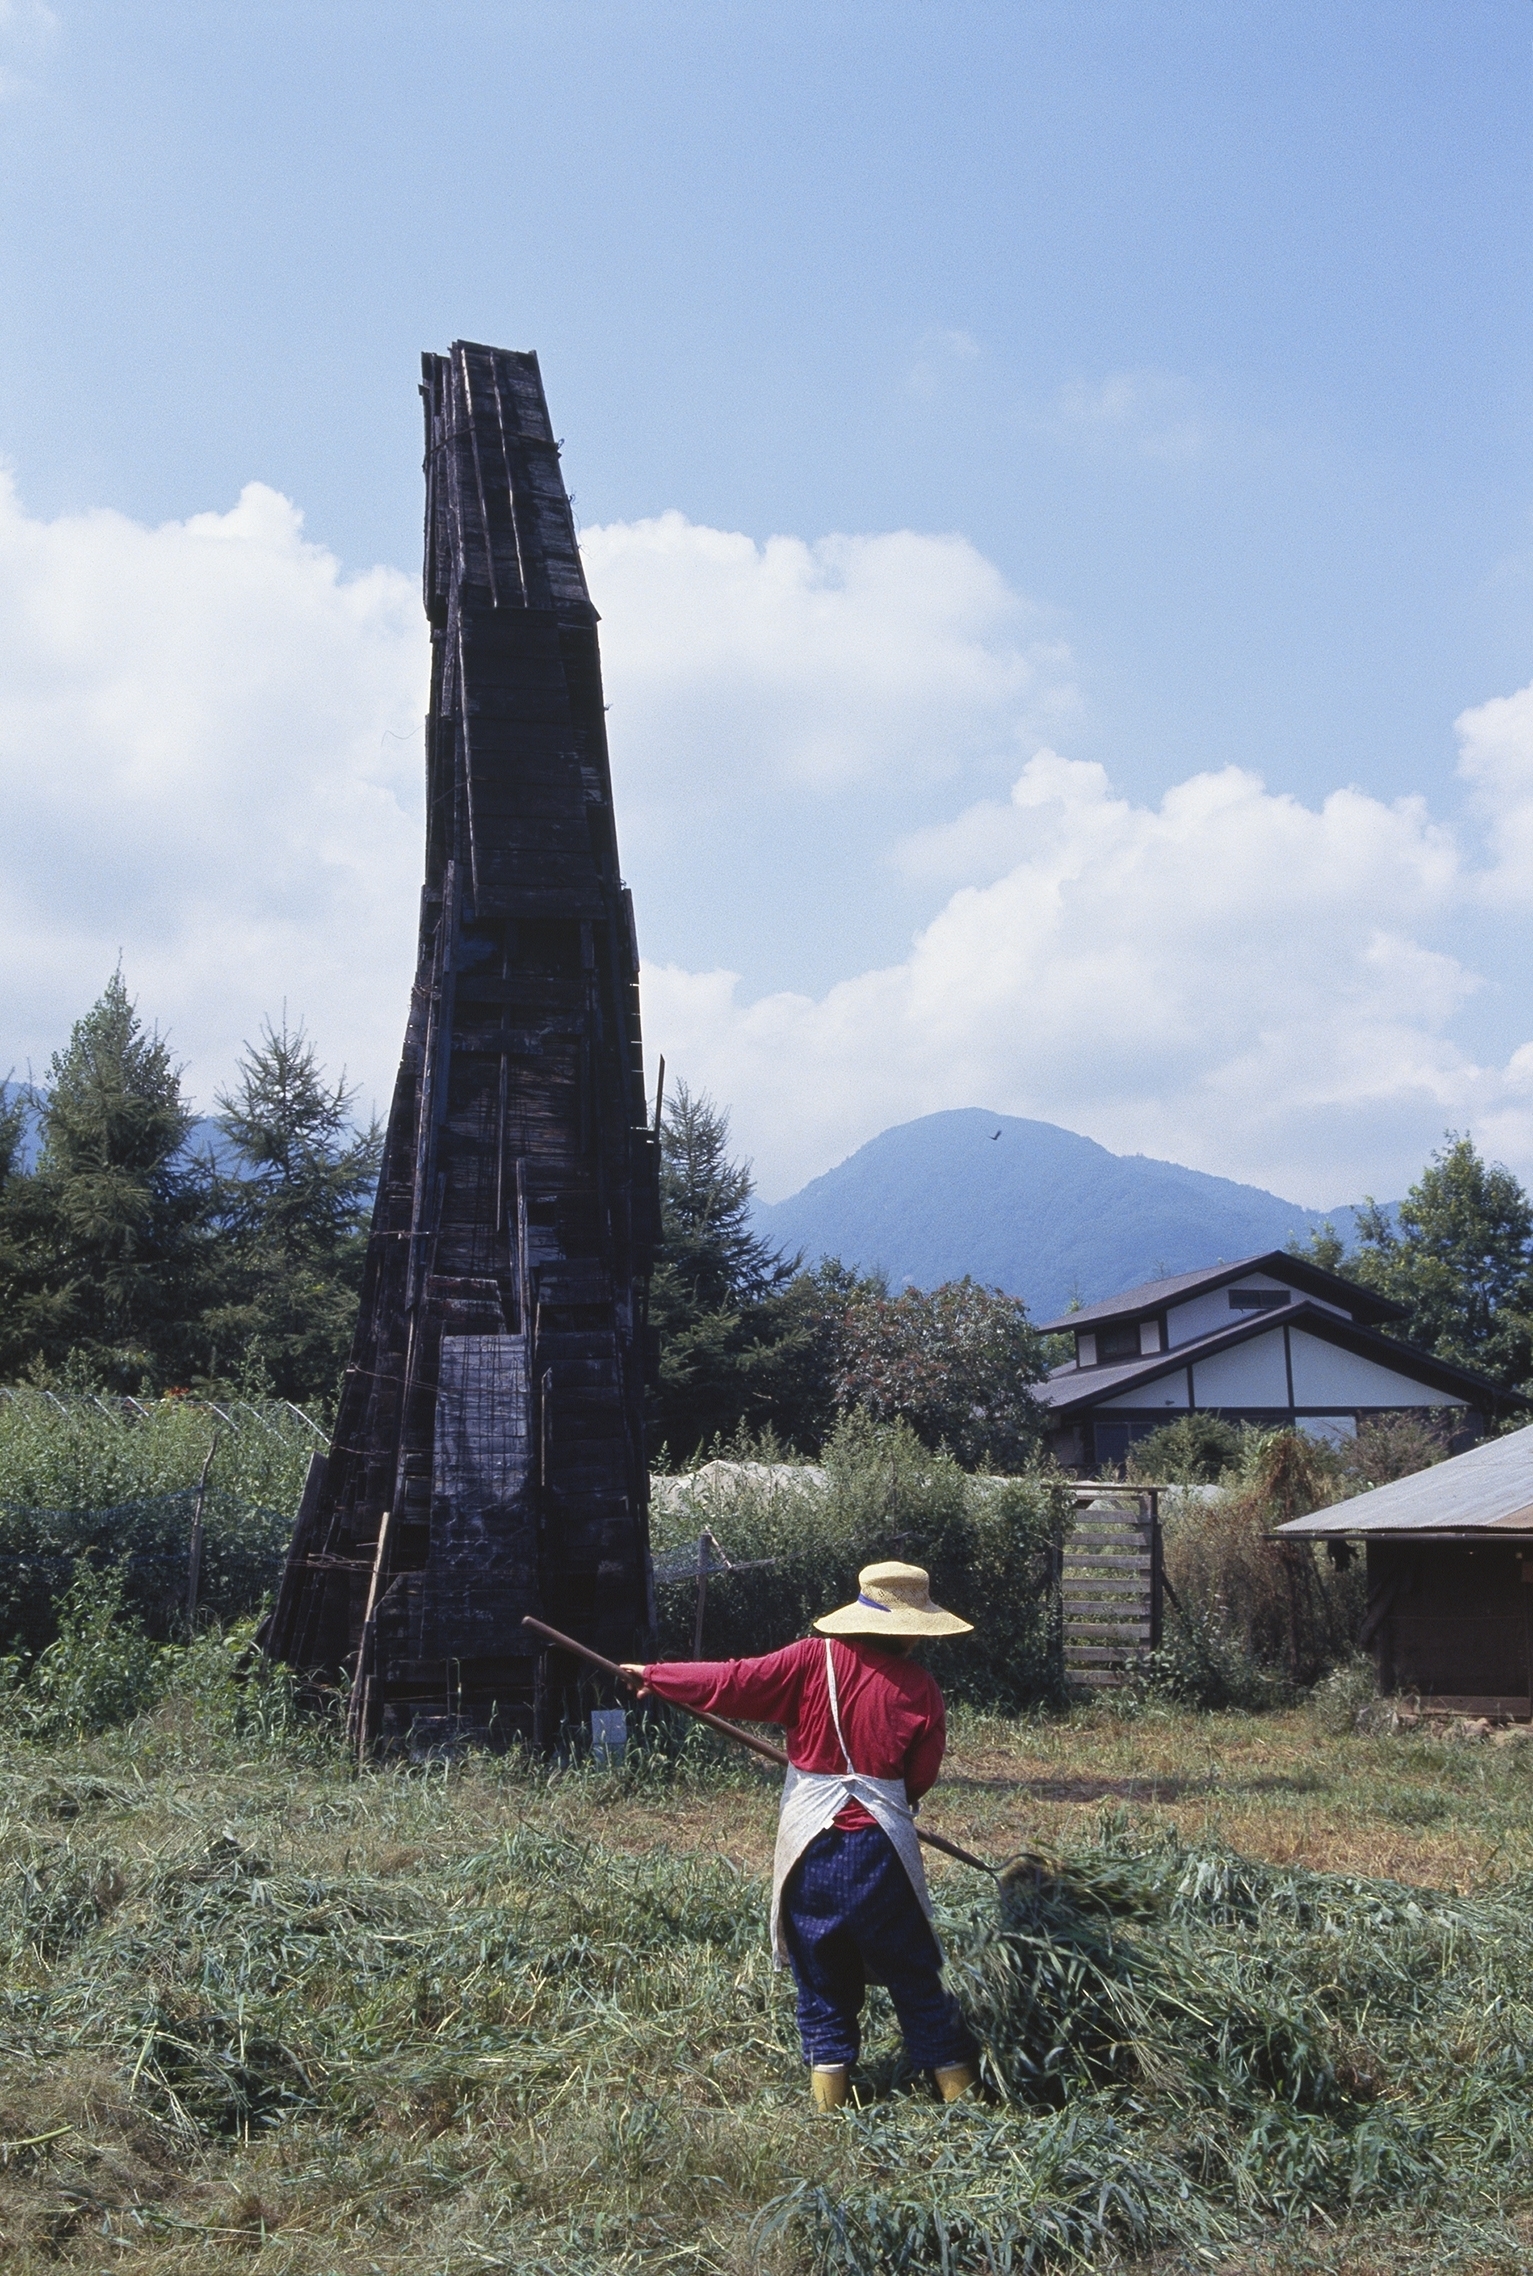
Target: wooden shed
{"x":1450,"y":1577}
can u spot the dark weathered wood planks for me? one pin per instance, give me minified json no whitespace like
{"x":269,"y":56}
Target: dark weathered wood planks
{"x":490,"y":1430}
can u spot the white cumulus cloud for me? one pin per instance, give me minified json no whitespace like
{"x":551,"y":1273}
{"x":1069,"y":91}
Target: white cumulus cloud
{"x":210,"y":760}
{"x":1496,"y":759}
{"x":210,"y":757}
{"x":1230,"y":978}
{"x":856,"y":661}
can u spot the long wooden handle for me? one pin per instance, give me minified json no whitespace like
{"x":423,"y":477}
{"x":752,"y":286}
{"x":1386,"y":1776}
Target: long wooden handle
{"x":763,"y":1747}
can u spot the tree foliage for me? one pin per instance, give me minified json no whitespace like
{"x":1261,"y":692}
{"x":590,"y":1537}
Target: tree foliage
{"x":107,"y":1238}
{"x":1457,"y":1259}
{"x":749,"y":1340}
{"x":129,"y":1263}
{"x":294,"y":1215}
{"x":955,"y":1362}
{"x":802,"y":1533}
{"x":738,"y":1342}
{"x":1195,"y":1450}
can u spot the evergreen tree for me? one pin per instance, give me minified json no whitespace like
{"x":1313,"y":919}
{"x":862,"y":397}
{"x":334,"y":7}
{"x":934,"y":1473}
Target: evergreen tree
{"x":107,"y":1238}
{"x":739,"y":1346}
{"x":294,"y":1216}
{"x":13,"y":1124}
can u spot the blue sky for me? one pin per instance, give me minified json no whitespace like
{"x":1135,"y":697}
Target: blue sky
{"x":1206,"y":330}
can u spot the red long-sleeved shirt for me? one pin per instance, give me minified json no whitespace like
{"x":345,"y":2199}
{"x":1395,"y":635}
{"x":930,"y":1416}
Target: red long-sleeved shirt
{"x":891,"y":1709}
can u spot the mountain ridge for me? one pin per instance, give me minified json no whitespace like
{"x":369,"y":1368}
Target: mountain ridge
{"x":1030,"y":1207}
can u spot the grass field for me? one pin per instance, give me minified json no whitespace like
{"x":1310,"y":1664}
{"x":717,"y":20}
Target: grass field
{"x":260,"y":2013}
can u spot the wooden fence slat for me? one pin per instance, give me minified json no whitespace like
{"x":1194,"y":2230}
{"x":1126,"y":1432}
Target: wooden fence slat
{"x":1109,"y":1596}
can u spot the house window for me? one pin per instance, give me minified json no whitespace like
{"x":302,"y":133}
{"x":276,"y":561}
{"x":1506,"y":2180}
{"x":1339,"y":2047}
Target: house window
{"x":1258,"y":1299}
{"x":1119,"y":1342}
{"x":1111,"y":1442}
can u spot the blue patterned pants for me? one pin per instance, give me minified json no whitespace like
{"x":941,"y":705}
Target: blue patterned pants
{"x":850,"y":1918}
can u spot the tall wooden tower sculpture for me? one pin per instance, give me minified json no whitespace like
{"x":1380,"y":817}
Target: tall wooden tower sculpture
{"x":488,"y":1455}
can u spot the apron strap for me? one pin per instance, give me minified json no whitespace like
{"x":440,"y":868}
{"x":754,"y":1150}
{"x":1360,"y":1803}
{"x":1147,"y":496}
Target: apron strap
{"x":835,"y":1707}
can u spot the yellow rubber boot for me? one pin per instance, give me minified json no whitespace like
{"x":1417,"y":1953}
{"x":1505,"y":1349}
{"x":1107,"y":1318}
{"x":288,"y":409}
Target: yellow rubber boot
{"x":831,"y":2085}
{"x":955,"y":2080}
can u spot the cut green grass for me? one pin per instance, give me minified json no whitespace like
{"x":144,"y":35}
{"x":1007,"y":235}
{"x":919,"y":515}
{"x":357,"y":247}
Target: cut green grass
{"x":258,"y":2012}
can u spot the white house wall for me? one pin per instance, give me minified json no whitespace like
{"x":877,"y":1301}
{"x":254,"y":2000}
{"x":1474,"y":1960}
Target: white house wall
{"x":1204,"y":1315}
{"x":1324,"y":1376}
{"x":1166,"y":1391}
{"x":1249,"y":1375}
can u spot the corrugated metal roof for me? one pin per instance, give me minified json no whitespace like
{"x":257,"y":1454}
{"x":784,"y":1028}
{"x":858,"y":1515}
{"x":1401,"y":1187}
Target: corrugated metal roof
{"x":1488,"y":1489}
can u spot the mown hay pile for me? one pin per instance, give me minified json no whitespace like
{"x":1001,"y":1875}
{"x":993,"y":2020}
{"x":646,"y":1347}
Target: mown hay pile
{"x":1187,"y":2047}
{"x":264,"y":2011}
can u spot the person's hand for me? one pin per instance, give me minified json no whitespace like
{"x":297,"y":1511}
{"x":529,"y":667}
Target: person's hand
{"x":633,"y":1676}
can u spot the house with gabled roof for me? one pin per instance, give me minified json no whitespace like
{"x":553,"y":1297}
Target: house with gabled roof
{"x":1272,"y":1340}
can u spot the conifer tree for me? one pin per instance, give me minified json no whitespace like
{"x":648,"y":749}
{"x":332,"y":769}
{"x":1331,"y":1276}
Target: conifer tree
{"x":110,"y":1259}
{"x":13,"y":1124}
{"x":738,"y":1346}
{"x":294,"y":1215}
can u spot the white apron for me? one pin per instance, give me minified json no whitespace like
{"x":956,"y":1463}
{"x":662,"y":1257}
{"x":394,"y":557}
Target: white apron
{"x":810,"y":1801}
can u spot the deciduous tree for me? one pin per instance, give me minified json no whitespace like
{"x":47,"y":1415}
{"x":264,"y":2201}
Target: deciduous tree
{"x":1458,"y":1260}
{"x":956,"y":1362}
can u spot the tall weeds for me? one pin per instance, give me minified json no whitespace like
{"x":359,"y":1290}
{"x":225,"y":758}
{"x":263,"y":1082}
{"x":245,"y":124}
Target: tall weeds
{"x":1249,"y":1617}
{"x":432,"y":2021}
{"x":876,"y":1493}
{"x":84,"y":1484}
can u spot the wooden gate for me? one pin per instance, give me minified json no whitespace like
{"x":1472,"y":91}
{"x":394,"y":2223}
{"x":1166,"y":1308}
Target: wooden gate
{"x":1110,"y":1582}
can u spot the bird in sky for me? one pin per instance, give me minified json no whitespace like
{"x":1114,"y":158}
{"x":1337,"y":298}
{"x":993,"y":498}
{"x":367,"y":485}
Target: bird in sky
{"x":993,"y":1136}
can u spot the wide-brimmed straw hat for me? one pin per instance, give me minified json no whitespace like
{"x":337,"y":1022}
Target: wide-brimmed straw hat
{"x":893,"y":1600}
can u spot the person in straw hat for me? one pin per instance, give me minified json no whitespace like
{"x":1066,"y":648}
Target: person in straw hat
{"x":865,"y":1733}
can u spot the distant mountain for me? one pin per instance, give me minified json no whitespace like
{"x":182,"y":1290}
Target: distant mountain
{"x":1039,"y":1211}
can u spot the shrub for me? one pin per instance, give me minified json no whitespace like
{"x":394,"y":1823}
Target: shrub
{"x":1346,"y":1699}
{"x":1195,"y":1450}
{"x":81,"y":1481}
{"x":1202,"y":1662}
{"x":1247,"y":1614}
{"x":1394,"y":1446}
{"x":82,"y":1453}
{"x":988,"y":1544}
{"x":103,"y":1670}
{"x":100,"y":1668}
